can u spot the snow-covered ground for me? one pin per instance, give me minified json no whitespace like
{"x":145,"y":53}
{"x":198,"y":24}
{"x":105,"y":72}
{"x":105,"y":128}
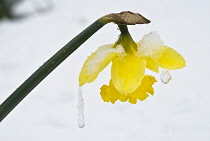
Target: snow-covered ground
{"x":179,"y":111}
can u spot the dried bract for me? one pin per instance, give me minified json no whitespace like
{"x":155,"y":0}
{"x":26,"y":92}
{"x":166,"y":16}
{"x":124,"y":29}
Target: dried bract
{"x":127,"y":18}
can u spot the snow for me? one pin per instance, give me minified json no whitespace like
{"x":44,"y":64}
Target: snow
{"x":178,"y":111}
{"x":150,"y":45}
{"x":100,"y":55}
{"x":94,"y":65}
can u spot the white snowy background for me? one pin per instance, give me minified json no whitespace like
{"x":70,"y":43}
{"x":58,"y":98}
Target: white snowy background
{"x":179,"y":111}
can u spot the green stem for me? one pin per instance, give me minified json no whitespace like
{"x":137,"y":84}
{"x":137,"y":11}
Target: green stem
{"x":123,"y":29}
{"x":20,"y":93}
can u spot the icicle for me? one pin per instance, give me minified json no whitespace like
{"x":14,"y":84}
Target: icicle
{"x":165,"y":76}
{"x":80,"y":106}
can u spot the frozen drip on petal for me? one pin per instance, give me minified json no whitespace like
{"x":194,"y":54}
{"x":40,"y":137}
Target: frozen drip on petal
{"x":80,"y":106}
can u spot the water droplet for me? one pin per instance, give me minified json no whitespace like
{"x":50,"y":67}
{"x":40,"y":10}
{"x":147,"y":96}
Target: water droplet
{"x":165,"y":76}
{"x":80,"y":106}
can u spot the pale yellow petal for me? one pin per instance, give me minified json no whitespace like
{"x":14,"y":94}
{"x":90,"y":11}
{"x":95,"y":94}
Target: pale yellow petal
{"x":95,"y":63}
{"x":152,"y":64}
{"x":171,"y":59}
{"x":127,"y":73}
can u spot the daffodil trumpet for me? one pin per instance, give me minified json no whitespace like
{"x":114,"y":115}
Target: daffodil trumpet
{"x":129,"y":61}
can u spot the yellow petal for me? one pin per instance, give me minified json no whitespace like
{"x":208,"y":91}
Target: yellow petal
{"x":123,"y":98}
{"x":127,"y":73}
{"x":152,"y":64}
{"x":110,"y":94}
{"x":132,"y":100}
{"x":95,"y":63}
{"x":171,"y":59}
{"x":142,"y":91}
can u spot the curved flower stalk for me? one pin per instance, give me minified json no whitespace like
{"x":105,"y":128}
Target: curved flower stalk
{"x":129,"y":61}
{"x":126,"y":18}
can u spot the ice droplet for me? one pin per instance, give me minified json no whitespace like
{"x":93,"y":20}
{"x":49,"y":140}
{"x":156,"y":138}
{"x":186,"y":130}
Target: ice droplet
{"x":165,"y":76}
{"x":80,"y":106}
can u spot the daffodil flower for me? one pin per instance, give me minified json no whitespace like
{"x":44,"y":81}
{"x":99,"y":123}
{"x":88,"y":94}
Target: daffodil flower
{"x":129,"y":61}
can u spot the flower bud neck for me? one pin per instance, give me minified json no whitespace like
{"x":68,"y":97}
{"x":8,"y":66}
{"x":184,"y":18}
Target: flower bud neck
{"x":126,"y":40}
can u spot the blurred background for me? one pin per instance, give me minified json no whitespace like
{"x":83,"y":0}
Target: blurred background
{"x":31,"y":31}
